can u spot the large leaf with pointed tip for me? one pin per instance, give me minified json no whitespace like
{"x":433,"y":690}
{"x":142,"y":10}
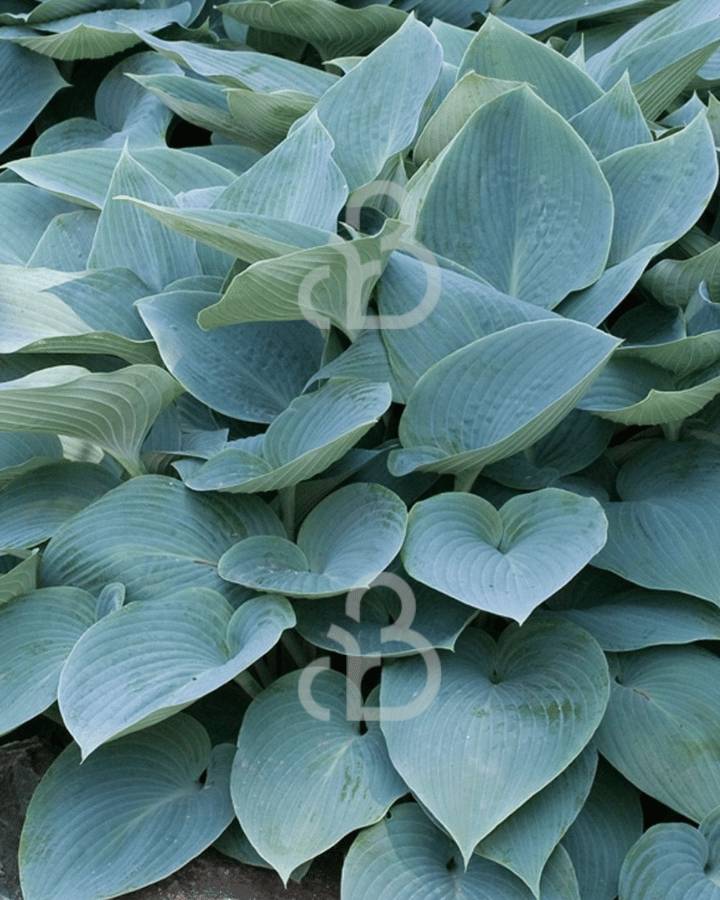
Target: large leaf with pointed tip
{"x":155,"y":536}
{"x":517,"y":162}
{"x":332,"y":29}
{"x":37,"y":503}
{"x":336,"y":549}
{"x":525,"y":841}
{"x":251,"y":371}
{"x":38,"y":629}
{"x":28,"y":83}
{"x":406,"y":856}
{"x":663,"y":717}
{"x":635,"y":392}
{"x":605,"y":828}
{"x":304,"y":776}
{"x":534,"y":16}
{"x":314,"y":431}
{"x":67,"y":241}
{"x":102,"y":32}
{"x":111,"y":409}
{"x":28,"y":212}
{"x":695,"y":855}
{"x":613,"y":122}
{"x":428,"y":312}
{"x":373,"y":111}
{"x":660,"y":189}
{"x":503,"y":561}
{"x":147,"y":661}
{"x":481,"y":717}
{"x":324,"y":285}
{"x":666,"y":491}
{"x":134,"y":812}
{"x":126,"y":237}
{"x":500,"y":51}
{"x":84,"y":176}
{"x":262,"y":120}
{"x":498,"y":395}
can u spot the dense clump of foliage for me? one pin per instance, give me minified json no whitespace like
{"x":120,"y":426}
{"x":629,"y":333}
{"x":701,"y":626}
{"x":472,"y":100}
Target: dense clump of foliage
{"x":359,"y":441}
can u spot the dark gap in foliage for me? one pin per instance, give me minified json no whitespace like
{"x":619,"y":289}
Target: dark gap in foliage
{"x":185,"y":134}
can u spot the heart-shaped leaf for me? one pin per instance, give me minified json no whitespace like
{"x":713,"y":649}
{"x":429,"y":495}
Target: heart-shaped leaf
{"x":148,"y":661}
{"x":155,"y":536}
{"x":38,"y":629}
{"x":663,"y":716}
{"x":507,"y":561}
{"x":481,"y":717}
{"x":695,"y":870}
{"x":304,"y":776}
{"x":498,"y":395}
{"x":133,"y":813}
{"x":336,"y":548}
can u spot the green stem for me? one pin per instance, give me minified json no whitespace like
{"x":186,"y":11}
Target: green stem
{"x":249,"y":684}
{"x":287,"y":503}
{"x":465,"y":480}
{"x":263,"y":672}
{"x":671,"y":430}
{"x":296,"y":648}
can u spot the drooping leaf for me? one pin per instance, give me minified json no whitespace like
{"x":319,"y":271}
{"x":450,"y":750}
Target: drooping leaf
{"x":534,"y":16}
{"x":147,"y":661}
{"x":304,"y":776}
{"x":517,"y":162}
{"x":103,"y":828}
{"x":475,"y":706}
{"x":154,"y":536}
{"x":335,"y":550}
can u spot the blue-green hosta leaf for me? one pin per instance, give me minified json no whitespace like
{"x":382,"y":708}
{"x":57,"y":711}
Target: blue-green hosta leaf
{"x":28,"y":83}
{"x":428,"y":312}
{"x":297,"y":181}
{"x":83,"y":176}
{"x":304,"y":776}
{"x":38,"y":630}
{"x":675,"y":861}
{"x":478,"y":712}
{"x":134,"y":812}
{"x":100,"y":33}
{"x":405,"y":856}
{"x":605,"y":828}
{"x":233,"y":842}
{"x":67,"y":241}
{"x":525,"y":841}
{"x":500,"y":51}
{"x":366,"y":359}
{"x":314,"y":431}
{"x":127,"y":237}
{"x":155,"y":536}
{"x":517,"y":162}
{"x":637,"y":618}
{"x":258,"y":71}
{"x":21,"y":452}
{"x":332,"y":29}
{"x":674,"y":281}
{"x":201,"y":102}
{"x":533,"y":16}
{"x":502,"y":561}
{"x":660,"y":189}
{"x":498,"y":395}
{"x":661,"y":728}
{"x":571,"y":446}
{"x":373,"y":111}
{"x":453,"y":40}
{"x":263,"y":120}
{"x":435,"y":620}
{"x":336,"y":549}
{"x":27,"y":212}
{"x":613,"y":122}
{"x":111,"y":409}
{"x":666,"y":491}
{"x":147,"y":661}
{"x":248,"y":236}
{"x":230,"y":368}
{"x":662,"y":53}
{"x":324,"y":285}
{"x":21,"y":579}
{"x":37,"y":503}
{"x":470,"y":93}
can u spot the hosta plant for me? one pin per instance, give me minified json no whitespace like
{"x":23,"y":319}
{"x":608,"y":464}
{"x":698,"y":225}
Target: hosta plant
{"x":360,"y":442}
